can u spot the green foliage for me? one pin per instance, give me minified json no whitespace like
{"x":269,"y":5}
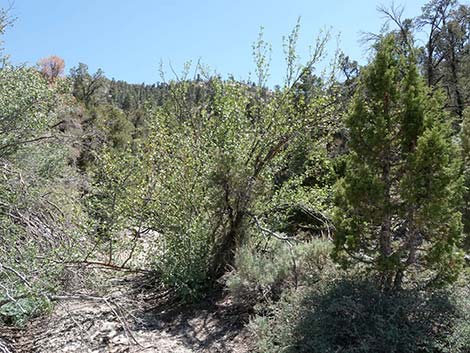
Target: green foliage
{"x":39,"y":206}
{"x":265,"y":269}
{"x":465,"y":140}
{"x":303,"y":184}
{"x":115,"y":126}
{"x":353,"y":315}
{"x":445,"y":57}
{"x":262,"y":57}
{"x":203,"y":168}
{"x":5,"y":21}
{"x":18,"y":313}
{"x":26,"y":103}
{"x":398,"y":202}
{"x":87,"y":88}
{"x":214,"y":175}
{"x":199,"y":159}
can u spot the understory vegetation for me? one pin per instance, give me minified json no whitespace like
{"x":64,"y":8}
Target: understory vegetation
{"x":334,"y":208}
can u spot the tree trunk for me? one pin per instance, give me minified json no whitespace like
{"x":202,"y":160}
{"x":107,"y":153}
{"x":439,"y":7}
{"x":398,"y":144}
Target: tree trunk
{"x":385,"y":236}
{"x":224,"y":252}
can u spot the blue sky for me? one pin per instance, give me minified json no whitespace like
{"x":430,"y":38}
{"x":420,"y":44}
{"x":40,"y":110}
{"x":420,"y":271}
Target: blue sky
{"x":128,"y":38}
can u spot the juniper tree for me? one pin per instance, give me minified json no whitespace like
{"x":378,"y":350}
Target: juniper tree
{"x":397,"y":206}
{"x":465,"y":140}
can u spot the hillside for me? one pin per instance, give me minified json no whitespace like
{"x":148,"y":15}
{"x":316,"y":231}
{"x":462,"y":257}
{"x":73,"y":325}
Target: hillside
{"x":206,"y":213}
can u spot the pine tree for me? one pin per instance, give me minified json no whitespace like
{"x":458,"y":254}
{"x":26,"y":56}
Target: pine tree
{"x":397,"y":206}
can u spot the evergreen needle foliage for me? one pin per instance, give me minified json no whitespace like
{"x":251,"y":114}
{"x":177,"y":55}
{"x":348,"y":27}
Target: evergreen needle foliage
{"x":333,"y":209}
{"x":398,"y":204}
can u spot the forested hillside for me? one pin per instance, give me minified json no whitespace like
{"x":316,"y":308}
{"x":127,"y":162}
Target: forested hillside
{"x":331,"y":212}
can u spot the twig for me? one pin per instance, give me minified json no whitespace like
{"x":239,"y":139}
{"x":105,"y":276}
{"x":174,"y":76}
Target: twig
{"x":18,"y":274}
{"x":80,"y":326}
{"x":107,"y":265}
{"x":270,"y":232}
{"x":18,"y":143}
{"x":105,"y":300}
{"x":123,"y":323}
{"x":288,"y":240}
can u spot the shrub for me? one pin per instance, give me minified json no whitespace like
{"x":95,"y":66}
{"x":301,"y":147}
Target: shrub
{"x":40,"y":210}
{"x":351,"y":315}
{"x":206,"y":165}
{"x":265,"y":269}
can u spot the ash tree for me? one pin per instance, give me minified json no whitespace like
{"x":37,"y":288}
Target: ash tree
{"x":398,"y":204}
